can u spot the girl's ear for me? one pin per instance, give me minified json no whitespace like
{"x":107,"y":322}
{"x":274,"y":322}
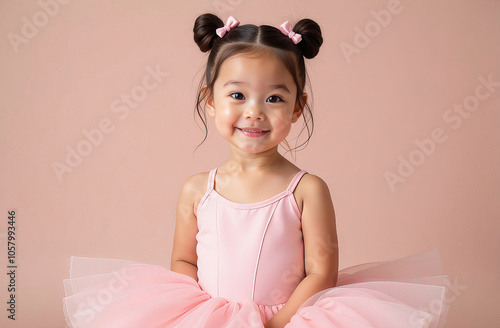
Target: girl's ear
{"x":209,"y":102}
{"x":299,"y":107}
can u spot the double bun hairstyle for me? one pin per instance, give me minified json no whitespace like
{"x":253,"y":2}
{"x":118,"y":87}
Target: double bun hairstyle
{"x":252,"y":39}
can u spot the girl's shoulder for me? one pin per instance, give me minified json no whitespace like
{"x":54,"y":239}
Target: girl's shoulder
{"x":310,"y":182}
{"x":197,"y":180}
{"x":195,"y":187}
{"x":310,"y":188}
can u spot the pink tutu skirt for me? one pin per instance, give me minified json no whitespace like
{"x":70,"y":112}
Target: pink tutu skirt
{"x":111,"y":293}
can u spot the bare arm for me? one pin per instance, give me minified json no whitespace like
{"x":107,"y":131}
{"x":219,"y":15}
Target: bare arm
{"x":184,"y":256}
{"x":320,"y":246}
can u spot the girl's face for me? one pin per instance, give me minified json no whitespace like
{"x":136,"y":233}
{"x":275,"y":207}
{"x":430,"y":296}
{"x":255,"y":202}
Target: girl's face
{"x":253,"y":102}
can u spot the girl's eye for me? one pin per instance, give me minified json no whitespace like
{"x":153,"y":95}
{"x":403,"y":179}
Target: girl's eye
{"x":236,"y":93}
{"x":277,"y":98}
{"x":239,"y":96}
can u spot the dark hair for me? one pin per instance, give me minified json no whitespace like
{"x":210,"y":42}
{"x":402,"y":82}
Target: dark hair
{"x":250,"y":38}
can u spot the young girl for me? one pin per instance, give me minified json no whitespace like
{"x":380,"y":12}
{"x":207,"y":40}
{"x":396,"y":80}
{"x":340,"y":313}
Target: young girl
{"x":255,"y":240}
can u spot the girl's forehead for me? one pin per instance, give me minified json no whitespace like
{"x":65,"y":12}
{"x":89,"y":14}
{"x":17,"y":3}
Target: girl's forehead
{"x":251,"y":67}
{"x":257,"y":56}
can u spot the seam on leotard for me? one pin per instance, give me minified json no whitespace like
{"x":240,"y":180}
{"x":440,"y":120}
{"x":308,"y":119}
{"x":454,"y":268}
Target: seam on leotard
{"x":260,"y":247}
{"x":218,"y":246}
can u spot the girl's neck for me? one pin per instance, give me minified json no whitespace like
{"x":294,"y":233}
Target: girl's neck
{"x":247,"y":162}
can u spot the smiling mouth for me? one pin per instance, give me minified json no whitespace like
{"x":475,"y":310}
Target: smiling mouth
{"x":253,"y":132}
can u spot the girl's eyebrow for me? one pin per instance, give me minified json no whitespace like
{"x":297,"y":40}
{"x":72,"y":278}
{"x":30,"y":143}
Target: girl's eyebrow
{"x":272,"y":86}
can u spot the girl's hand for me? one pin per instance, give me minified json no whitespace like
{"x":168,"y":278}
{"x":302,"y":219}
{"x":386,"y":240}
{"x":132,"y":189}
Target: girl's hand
{"x":273,"y":324}
{"x":320,"y":246}
{"x":184,"y":256}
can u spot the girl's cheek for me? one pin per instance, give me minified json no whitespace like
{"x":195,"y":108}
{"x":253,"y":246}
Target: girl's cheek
{"x":227,"y":112}
{"x":280,"y":121}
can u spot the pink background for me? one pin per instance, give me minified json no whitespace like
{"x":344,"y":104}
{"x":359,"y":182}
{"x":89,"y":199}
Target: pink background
{"x":69,"y":76}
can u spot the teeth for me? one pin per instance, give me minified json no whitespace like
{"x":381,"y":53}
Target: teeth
{"x":252,"y":130}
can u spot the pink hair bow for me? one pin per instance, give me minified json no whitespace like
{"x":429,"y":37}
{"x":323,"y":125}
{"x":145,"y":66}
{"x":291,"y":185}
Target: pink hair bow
{"x":286,"y":29}
{"x":231,"y":23}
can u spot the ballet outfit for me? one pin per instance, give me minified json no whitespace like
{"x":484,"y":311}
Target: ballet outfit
{"x":250,"y":260}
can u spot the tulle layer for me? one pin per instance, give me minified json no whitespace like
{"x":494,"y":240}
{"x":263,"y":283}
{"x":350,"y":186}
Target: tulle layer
{"x":111,"y":293}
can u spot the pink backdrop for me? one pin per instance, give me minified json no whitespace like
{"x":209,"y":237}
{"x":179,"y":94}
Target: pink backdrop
{"x":97,"y":135}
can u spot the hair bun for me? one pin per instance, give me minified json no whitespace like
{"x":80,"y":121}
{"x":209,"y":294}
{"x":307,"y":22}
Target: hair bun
{"x":204,"y":30}
{"x":311,"y":37}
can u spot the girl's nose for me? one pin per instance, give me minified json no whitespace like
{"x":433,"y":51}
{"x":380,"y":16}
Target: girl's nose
{"x":254,"y":112}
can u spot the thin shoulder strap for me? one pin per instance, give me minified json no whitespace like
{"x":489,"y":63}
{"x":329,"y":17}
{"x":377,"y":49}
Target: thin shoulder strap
{"x":211,"y":180}
{"x":295,"y":180}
